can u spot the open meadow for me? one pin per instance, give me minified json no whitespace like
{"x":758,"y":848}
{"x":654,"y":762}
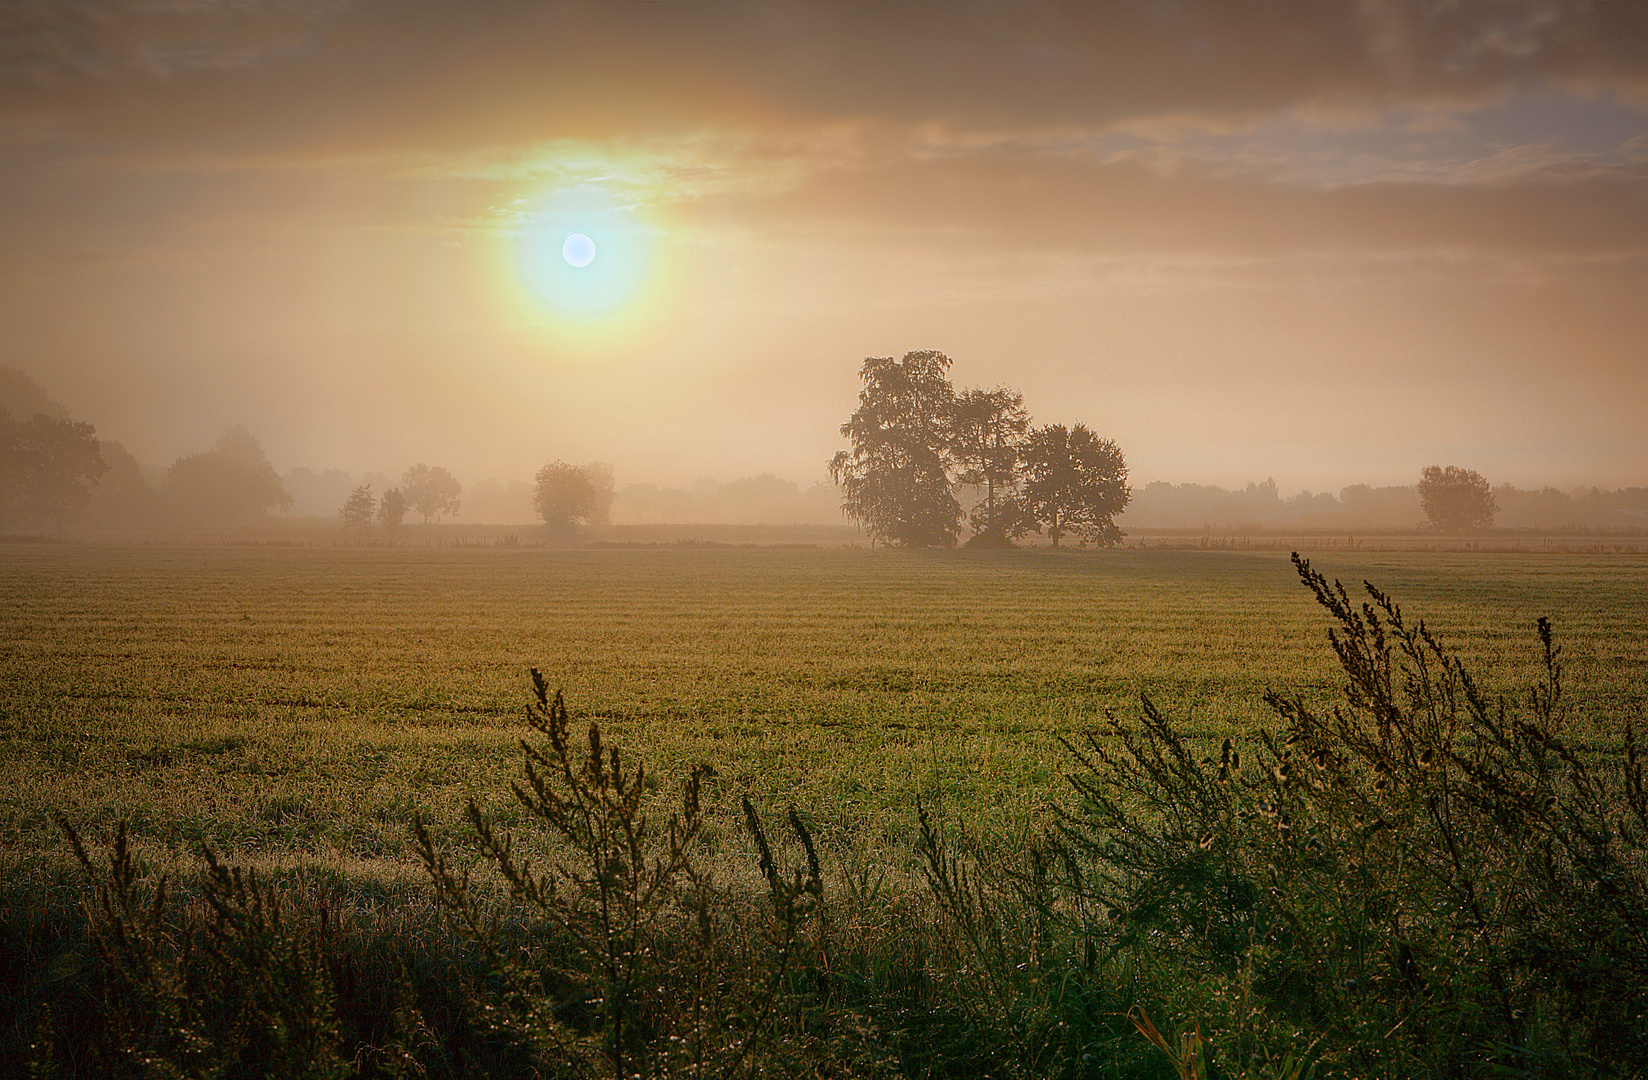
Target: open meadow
{"x":309,"y":700}
{"x":299,"y":706}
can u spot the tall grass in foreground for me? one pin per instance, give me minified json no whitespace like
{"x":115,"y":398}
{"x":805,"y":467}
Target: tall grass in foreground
{"x":1420,"y":881}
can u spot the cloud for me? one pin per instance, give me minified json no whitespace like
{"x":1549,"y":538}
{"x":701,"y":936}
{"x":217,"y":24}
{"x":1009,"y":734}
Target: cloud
{"x":320,"y":77}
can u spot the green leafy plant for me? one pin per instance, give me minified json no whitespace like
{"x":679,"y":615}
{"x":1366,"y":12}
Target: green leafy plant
{"x":631,"y":969}
{"x":1428,"y":879}
{"x":240,"y":989}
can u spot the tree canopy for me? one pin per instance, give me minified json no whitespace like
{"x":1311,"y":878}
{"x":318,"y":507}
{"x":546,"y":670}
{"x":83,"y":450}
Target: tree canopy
{"x":47,"y":467}
{"x":232,"y":482}
{"x":392,"y":508}
{"x":431,"y":491}
{"x":1456,"y":499}
{"x":568,"y":495}
{"x":356,"y":512}
{"x":895,"y":479}
{"x":987,"y":437}
{"x":916,"y":442}
{"x":1076,"y":484}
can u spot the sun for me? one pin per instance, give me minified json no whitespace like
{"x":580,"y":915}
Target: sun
{"x":579,"y":250}
{"x":581,"y":255}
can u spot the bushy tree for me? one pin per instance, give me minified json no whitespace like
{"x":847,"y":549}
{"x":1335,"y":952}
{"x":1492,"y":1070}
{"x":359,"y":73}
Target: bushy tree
{"x":47,"y":467}
{"x":1076,"y":484}
{"x":21,"y":396}
{"x":568,"y":495}
{"x":233,"y":481}
{"x":356,"y":513}
{"x":392,"y":508}
{"x":895,"y":480}
{"x":431,"y":491}
{"x":987,"y":436}
{"x":123,"y":496}
{"x":1455,"y":498}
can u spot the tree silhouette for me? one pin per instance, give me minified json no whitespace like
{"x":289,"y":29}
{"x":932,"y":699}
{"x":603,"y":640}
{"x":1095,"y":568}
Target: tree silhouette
{"x":895,"y":480}
{"x":392,"y":508}
{"x":233,"y":481}
{"x":47,"y":467}
{"x":431,"y":491}
{"x":1456,"y":499}
{"x":1076,"y":484}
{"x":356,"y":513}
{"x":987,"y":435}
{"x":566,"y":495}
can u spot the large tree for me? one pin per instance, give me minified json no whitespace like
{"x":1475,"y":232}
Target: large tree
{"x":431,"y":491}
{"x":568,"y":495}
{"x":231,"y":482}
{"x":895,"y":480}
{"x":47,"y":467}
{"x":1456,"y":499}
{"x":987,"y":435}
{"x":1076,"y":484}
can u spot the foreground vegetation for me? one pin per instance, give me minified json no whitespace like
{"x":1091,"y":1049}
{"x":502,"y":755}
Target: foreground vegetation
{"x":1413,"y":884}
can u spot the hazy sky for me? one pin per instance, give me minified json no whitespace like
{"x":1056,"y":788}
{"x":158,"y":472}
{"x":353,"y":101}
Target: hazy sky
{"x":1329,"y":242}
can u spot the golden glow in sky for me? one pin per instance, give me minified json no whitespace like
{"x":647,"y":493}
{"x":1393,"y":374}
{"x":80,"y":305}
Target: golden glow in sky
{"x":586,"y":268}
{"x":1329,"y":243}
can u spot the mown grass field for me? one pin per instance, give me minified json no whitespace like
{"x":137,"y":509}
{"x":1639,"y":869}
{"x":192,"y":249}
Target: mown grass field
{"x":306,"y":702}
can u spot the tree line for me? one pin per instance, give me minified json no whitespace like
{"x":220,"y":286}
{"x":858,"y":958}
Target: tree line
{"x":916,"y":443}
{"x":919,"y":449}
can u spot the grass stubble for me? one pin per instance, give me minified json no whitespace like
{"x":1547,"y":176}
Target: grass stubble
{"x":296,"y":711}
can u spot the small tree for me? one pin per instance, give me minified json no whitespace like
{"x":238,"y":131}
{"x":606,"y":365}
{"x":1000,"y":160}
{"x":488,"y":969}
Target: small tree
{"x":431,"y":491}
{"x":356,"y":513}
{"x":1077,"y":484}
{"x":1456,"y":499}
{"x":567,"y":495}
{"x":895,"y":479}
{"x":392,"y":508}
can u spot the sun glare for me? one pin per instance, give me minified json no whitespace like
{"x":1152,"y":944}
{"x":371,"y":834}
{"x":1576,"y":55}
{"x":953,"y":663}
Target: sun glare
{"x":587,"y":267}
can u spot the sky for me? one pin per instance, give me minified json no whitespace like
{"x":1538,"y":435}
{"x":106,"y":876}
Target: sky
{"x":1323,"y":241}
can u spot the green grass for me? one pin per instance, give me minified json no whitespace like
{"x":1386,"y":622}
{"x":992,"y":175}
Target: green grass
{"x":296,"y":709}
{"x":309,"y":701}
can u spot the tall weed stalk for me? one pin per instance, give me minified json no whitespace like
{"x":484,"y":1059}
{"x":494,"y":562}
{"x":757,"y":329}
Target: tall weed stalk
{"x":636,"y":968}
{"x":1419,"y":880}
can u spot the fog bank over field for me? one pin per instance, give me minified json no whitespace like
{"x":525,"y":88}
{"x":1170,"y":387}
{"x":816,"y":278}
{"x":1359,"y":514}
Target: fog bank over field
{"x":233,"y":481}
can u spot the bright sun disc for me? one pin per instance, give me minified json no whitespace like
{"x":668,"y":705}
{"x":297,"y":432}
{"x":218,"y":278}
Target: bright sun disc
{"x":556,"y":258}
{"x":579,"y":250}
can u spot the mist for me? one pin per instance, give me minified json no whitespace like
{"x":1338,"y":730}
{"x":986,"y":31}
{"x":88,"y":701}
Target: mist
{"x":1329,"y":244}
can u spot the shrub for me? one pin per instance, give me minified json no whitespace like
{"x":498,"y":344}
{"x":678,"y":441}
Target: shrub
{"x":637,"y":967}
{"x":1419,"y":880}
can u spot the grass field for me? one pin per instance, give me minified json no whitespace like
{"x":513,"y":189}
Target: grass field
{"x":296,"y":709}
{"x":310,"y":700}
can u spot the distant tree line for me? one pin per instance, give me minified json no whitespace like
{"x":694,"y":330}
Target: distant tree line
{"x":916,"y":443}
{"x":1360,"y":506}
{"x":925,"y":459}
